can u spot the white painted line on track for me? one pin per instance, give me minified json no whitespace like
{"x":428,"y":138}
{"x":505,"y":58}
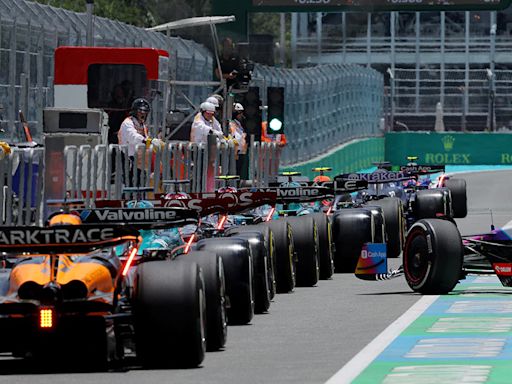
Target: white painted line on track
{"x":369,"y":353}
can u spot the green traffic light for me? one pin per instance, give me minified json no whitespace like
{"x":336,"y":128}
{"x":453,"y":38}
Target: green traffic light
{"x":275,"y":124}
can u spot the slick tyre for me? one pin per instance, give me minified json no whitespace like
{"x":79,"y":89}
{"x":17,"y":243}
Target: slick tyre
{"x":432,"y":203}
{"x":305,"y":242}
{"x":351,"y":228}
{"x":325,"y":247}
{"x":269,"y":250}
{"x":457,"y":189}
{"x":285,"y":255}
{"x":260,"y":267}
{"x":432,"y":256}
{"x":215,"y":291}
{"x":237,"y":260}
{"x":393,"y":210}
{"x":170,"y":314}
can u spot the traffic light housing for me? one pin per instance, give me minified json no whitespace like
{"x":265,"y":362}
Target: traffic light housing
{"x":275,"y":113}
{"x":252,"y":111}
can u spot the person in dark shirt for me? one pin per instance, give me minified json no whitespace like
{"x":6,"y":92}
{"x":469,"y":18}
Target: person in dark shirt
{"x":229,"y":63}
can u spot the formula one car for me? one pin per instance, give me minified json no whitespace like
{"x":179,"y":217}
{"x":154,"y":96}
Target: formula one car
{"x":66,"y":291}
{"x":436,"y":257}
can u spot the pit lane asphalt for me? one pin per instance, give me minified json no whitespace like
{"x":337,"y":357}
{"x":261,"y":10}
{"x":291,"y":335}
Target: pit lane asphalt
{"x":308,"y":335}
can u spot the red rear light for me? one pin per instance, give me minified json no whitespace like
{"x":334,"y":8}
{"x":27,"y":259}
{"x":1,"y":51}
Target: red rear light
{"x":270,"y":214}
{"x":189,"y":242}
{"x":129,"y":262}
{"x":46,"y":318}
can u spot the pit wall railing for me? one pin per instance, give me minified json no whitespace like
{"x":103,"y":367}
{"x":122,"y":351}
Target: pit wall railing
{"x":325,"y":106}
{"x":35,"y":182}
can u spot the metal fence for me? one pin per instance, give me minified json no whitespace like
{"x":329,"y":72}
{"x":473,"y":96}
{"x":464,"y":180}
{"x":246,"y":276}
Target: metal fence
{"x":88,"y":174}
{"x":29,"y":34}
{"x":477,"y":98}
{"x":326,"y":106}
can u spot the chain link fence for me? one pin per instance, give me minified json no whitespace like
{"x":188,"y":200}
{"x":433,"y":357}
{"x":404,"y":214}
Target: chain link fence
{"x":473,"y":99}
{"x":29,"y":34}
{"x":326,"y":106}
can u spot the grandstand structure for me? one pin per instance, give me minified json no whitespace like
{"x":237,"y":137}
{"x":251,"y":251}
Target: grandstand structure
{"x":459,"y":59}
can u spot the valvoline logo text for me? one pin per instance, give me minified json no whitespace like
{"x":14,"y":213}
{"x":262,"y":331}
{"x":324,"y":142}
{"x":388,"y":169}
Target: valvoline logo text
{"x":373,"y":259}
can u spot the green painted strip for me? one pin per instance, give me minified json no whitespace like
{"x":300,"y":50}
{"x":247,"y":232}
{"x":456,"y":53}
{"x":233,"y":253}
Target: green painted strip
{"x":462,"y":337}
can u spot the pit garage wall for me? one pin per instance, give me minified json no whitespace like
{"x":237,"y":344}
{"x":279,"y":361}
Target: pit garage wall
{"x":350,"y":157}
{"x":451,"y":148}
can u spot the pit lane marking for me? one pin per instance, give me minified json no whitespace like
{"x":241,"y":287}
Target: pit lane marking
{"x":369,"y":353}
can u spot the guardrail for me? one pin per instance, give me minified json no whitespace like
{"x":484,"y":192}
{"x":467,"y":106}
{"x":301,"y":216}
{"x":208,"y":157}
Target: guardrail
{"x":103,"y":172}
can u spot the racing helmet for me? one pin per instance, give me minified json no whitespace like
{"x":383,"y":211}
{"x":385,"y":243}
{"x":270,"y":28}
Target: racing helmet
{"x":176,"y":196}
{"x":139,"y":204}
{"x":219,"y":98}
{"x":64,"y":219}
{"x":238,"y":107}
{"x":207,"y":107}
{"x":140,"y":104}
{"x":321,"y":179}
{"x":213,"y":100}
{"x":227,"y":190}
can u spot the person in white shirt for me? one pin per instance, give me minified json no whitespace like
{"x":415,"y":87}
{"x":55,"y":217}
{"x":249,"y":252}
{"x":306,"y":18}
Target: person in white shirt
{"x":134,"y":131}
{"x":204,"y":124}
{"x":237,"y":132}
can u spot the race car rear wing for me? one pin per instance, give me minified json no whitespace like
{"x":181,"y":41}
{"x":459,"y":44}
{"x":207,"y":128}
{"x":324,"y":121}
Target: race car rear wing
{"x":417,"y":169}
{"x":140,"y":218}
{"x":378,"y":177}
{"x":63,"y":239}
{"x":311,"y":191}
{"x":204,"y":204}
{"x":233,"y":202}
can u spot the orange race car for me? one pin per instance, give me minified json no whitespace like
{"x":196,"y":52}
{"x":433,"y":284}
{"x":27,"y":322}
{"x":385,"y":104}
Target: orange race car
{"x":83,"y":289}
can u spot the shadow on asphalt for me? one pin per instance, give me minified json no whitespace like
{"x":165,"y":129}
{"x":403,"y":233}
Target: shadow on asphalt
{"x":407,"y":293}
{"x":28,"y":367}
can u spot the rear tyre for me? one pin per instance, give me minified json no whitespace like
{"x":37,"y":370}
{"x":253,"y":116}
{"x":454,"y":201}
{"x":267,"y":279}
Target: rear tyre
{"x":260,"y":268}
{"x":394,"y":224}
{"x":270,"y":250}
{"x":351,"y":228}
{"x":325,"y":254}
{"x":237,"y":261}
{"x":215,"y":292}
{"x":432,"y":203}
{"x":433,"y":255}
{"x":285,"y":255}
{"x":170,"y":314}
{"x":457,"y":189}
{"x":305,"y":242}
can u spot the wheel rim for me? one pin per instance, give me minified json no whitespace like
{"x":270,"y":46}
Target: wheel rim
{"x":416,"y":258}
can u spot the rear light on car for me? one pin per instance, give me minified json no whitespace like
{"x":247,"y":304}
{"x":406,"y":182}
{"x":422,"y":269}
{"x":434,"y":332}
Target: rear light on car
{"x":129,"y":262}
{"x":46,"y":318}
{"x":189,"y":242}
{"x":221,"y":222}
{"x":270,"y":214}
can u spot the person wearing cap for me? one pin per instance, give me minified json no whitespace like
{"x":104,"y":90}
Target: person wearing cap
{"x":237,"y":132}
{"x":216,"y":122}
{"x":204,"y":124}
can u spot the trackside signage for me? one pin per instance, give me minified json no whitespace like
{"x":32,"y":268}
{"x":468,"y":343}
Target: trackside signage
{"x":452,"y":148}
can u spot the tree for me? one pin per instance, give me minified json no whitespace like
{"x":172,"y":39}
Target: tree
{"x":135,"y":12}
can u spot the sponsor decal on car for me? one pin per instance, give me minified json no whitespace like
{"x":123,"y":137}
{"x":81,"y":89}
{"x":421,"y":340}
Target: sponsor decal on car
{"x":503,"y":269}
{"x":372,"y":260}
